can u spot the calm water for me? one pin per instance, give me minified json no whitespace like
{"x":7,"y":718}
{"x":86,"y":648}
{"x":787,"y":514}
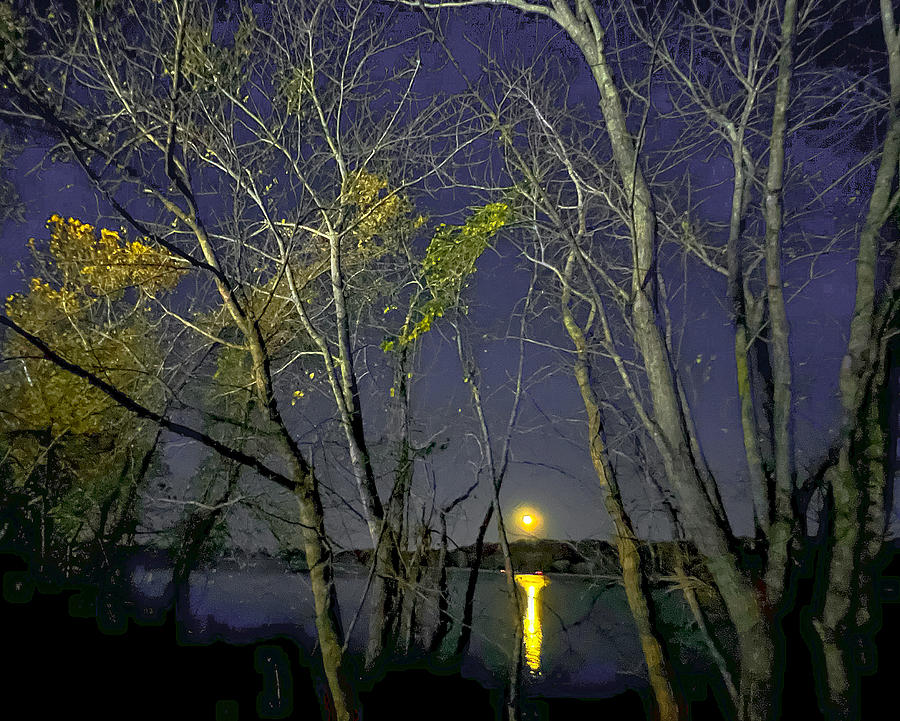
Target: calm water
{"x":579,"y":636}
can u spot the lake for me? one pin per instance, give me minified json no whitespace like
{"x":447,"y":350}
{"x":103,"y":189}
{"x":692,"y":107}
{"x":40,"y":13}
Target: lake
{"x":580,"y":639}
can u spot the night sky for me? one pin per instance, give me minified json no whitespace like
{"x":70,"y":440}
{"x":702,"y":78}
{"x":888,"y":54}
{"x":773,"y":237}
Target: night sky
{"x":551,"y":471}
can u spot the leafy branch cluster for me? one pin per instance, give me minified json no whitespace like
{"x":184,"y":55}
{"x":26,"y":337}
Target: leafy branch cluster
{"x":106,"y":261}
{"x":210,"y":65}
{"x":449,"y":261}
{"x":378,"y":211}
{"x":62,"y":305}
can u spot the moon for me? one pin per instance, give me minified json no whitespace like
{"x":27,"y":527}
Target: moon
{"x":526,"y":519}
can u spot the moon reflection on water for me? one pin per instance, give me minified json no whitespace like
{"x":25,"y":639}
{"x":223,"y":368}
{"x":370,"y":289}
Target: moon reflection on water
{"x":532,"y":583}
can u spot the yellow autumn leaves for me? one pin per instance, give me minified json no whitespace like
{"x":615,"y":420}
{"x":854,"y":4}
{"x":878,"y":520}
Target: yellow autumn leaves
{"x":81,"y":268}
{"x":85,"y":265}
{"x":107,"y":262}
{"x":379,"y":212}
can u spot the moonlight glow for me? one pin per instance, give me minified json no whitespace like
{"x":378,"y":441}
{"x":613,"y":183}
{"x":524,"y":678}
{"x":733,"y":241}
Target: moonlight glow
{"x":527,"y":520}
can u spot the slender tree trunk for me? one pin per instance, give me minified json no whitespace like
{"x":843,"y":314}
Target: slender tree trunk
{"x":443,"y":624}
{"x":761,"y":381}
{"x":321,"y":574}
{"x":352,"y":419}
{"x":743,"y":340}
{"x":707,"y":481}
{"x":410,"y":596}
{"x":513,"y":709}
{"x":46,"y":521}
{"x":782,"y":527}
{"x":514,"y":686}
{"x":315,"y":539}
{"x":633,"y":575}
{"x":758,"y":480}
{"x":513,"y":702}
{"x":465,"y":631}
{"x":470,"y":371}
{"x":389,"y":596}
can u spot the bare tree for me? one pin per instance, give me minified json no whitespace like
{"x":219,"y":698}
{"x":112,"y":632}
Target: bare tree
{"x":756,"y":45}
{"x":799,"y":107}
{"x":496,"y":463}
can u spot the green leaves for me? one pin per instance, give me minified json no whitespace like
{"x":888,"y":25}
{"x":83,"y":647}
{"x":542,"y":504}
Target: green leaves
{"x":449,"y":261}
{"x":12,"y":33}
{"x":453,"y":251}
{"x":209,"y":65}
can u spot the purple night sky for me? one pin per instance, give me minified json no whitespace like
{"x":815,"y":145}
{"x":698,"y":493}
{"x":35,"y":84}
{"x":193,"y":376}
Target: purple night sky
{"x":551,"y":470}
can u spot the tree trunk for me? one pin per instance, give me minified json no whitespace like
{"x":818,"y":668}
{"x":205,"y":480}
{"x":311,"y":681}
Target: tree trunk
{"x":700,"y":619}
{"x":868,"y":605}
{"x":384,"y":623}
{"x":782,"y":527}
{"x":756,"y":692}
{"x":321,"y":576}
{"x":633,"y":575}
{"x":849,"y":612}
{"x":857,"y":499}
{"x":743,"y":339}
{"x":465,"y":631}
{"x":389,"y":596}
{"x":678,"y":536}
{"x":443,"y":624}
{"x":513,"y":710}
{"x":409,"y":599}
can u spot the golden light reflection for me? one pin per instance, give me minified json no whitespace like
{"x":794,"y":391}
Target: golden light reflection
{"x":532,"y":583}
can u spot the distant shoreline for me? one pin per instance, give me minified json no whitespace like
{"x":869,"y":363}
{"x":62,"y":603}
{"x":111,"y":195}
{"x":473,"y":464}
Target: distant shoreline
{"x":588,"y":558}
